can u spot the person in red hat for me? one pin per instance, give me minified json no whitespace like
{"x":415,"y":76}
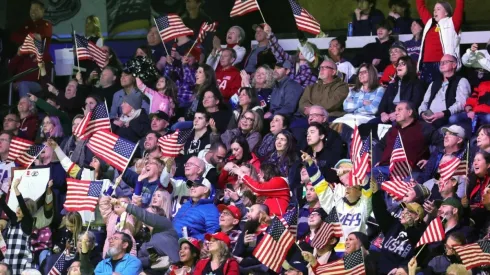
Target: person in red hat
{"x":190,"y":249}
{"x":229,"y":220}
{"x":220,"y":260}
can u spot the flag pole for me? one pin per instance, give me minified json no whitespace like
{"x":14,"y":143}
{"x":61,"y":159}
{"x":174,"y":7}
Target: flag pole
{"x":371,"y":145}
{"x":261,"y":14}
{"x":39,"y":63}
{"x":195,"y":41}
{"x":76,"y":49}
{"x":107,"y":109}
{"x":422,"y":248}
{"x":163,"y":42}
{"x":30,"y":164}
{"x":403,"y":147}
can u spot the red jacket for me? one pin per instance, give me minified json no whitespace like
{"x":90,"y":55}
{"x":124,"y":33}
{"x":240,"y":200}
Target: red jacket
{"x":388,"y":75}
{"x":276,"y":191}
{"x":43,"y":27}
{"x":225,"y":177}
{"x":480,"y":98}
{"x":28,"y":127}
{"x":229,"y":81}
{"x":21,"y":63}
{"x":231,"y":267}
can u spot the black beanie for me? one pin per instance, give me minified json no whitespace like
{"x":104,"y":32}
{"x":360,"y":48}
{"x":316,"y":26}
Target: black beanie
{"x":363,"y":238}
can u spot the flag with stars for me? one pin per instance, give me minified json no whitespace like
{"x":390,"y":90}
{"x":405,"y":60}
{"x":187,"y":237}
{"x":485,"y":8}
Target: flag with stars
{"x":361,"y":164}
{"x":290,"y":220}
{"x":87,"y":50}
{"x":242,"y":7}
{"x":304,"y":20}
{"x":323,"y":236}
{"x":172,"y":144}
{"x":171,"y":26}
{"x":351,"y":264}
{"x":18,"y":146}
{"x":114,"y":150}
{"x":27,"y":158}
{"x":59,"y":266}
{"x":205,"y":29}
{"x":274,"y":246}
{"x":356,"y":144}
{"x":397,"y":189}
{"x":399,"y":168}
{"x":434,"y":233}
{"x":32,"y":46}
{"x":95,"y":120}
{"x":333,"y":219}
{"x":82,"y":194}
{"x":474,"y":255}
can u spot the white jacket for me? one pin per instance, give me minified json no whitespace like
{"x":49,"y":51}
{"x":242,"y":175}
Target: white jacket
{"x":449,"y":38}
{"x":213,"y":60}
{"x":478,"y":60}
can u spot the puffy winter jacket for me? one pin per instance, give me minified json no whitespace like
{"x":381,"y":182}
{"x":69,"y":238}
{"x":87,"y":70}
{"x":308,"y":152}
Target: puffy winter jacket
{"x":480,"y":98}
{"x":200,"y":218}
{"x":276,"y":191}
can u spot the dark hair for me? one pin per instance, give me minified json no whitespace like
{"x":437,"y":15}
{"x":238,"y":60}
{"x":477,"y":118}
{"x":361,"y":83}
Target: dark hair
{"x":126,"y":239}
{"x":269,"y":171}
{"x":252,"y":94}
{"x":51,"y":97}
{"x":342,"y":40}
{"x":265,"y":208}
{"x":285,"y":120}
{"x":485,"y":128}
{"x":400,"y":3}
{"x":247,"y":155}
{"x":207,"y":116}
{"x":216,"y":94}
{"x":171,"y":89}
{"x":36,"y":2}
{"x":410,"y":107}
{"x":157,"y":134}
{"x":216,"y":145}
{"x":194,"y":252}
{"x":485,"y":155}
{"x":209,"y":82}
{"x":114,"y":71}
{"x":232,"y":51}
{"x":97,"y":98}
{"x":385,"y":24}
{"x":373,"y":81}
{"x":289,"y":156}
{"x":319,"y":126}
{"x":146,"y":49}
{"x":9,"y":133}
{"x":457,"y":236}
{"x":114,"y":61}
{"x":369,"y":1}
{"x":411,"y":68}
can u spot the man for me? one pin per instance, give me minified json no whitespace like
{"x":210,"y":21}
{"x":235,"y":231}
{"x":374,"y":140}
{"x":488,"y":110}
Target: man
{"x":451,"y":211}
{"x":50,"y":106}
{"x":330,"y":92}
{"x":312,"y":203}
{"x":286,"y":94}
{"x":261,"y":53}
{"x":446,"y":98}
{"x":213,"y":155}
{"x":119,"y":260}
{"x":128,"y":83}
{"x":397,"y":50}
{"x":108,"y":85}
{"x":228,"y":76}
{"x":155,"y":43}
{"x":297,"y":268}
{"x":324,"y":254}
{"x":365,"y":18}
{"x":159,"y":122}
{"x":150,"y":145}
{"x":149,"y":179}
{"x":400,"y":16}
{"x":377,"y":53}
{"x":415,"y":135}
{"x":199,"y":214}
{"x":5,"y":166}
{"x":439,"y":264}
{"x":11,"y":123}
{"x":229,"y":220}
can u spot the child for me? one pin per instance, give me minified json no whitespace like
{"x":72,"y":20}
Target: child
{"x":165,"y":96}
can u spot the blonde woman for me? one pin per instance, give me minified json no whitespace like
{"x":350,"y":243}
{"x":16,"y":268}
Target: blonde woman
{"x":220,"y":260}
{"x":93,"y":30}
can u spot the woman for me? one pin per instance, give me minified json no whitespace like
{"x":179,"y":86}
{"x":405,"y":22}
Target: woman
{"x":93,"y":31}
{"x":144,"y":51}
{"x":335,"y":53}
{"x":249,"y":126}
{"x":112,"y":60}
{"x":263,"y":82}
{"x":162,"y":199}
{"x":479,"y":183}
{"x":220,"y":261}
{"x":247,"y":100}
{"x":51,"y":128}
{"x":234,"y":38}
{"x":440,"y":36}
{"x":19,"y":255}
{"x":284,"y":155}
{"x":266,"y":147}
{"x":413,"y":45}
{"x":212,"y":103}
{"x":189,"y":252}
{"x":134,"y":122}
{"x":29,"y":120}
{"x":483,"y":138}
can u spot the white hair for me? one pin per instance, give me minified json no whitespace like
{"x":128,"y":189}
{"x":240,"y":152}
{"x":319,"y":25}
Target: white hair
{"x":325,"y":112}
{"x":31,"y":271}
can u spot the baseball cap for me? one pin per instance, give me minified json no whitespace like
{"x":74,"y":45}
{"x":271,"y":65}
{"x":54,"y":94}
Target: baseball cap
{"x":199,"y":181}
{"x":343,"y":162}
{"x":453,"y":202}
{"x":415,"y":208}
{"x":320,"y":212}
{"x":233,"y":210}
{"x":299,"y":266}
{"x":399,"y":45}
{"x":455,"y":130}
{"x":218,"y":236}
{"x":160,"y":115}
{"x":285,"y":64}
{"x":255,"y":26}
{"x":192,"y":241}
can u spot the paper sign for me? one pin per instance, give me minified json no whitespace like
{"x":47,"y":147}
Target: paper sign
{"x":32,"y":186}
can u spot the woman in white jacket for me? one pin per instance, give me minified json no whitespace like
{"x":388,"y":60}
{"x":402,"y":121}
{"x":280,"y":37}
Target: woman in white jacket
{"x":479,"y":60}
{"x":234,"y":37}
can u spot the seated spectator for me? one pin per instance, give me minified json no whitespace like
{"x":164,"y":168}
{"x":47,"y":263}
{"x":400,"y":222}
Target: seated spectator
{"x":119,"y":259}
{"x":133,"y":122}
{"x":249,"y":126}
{"x":366,"y":18}
{"x":11,"y":123}
{"x":29,"y":121}
{"x":128,"y":84}
{"x":400,"y":16}
{"x":413,"y":45}
{"x":220,"y":261}
{"x":262,"y":82}
{"x":477,"y":186}
{"x":71,"y":100}
{"x":439,"y":264}
{"x":159,"y":122}
{"x":248,"y":100}
{"x":213,"y":156}
{"x":397,"y":51}
{"x":311,"y":203}
{"x":234,"y":37}
{"x":266,"y":147}
{"x":451,"y":211}
{"x":477,"y":110}
{"x":164,"y":98}
{"x":229,"y":222}
{"x":190,"y":249}
{"x":5,"y":164}
{"x":150,"y":146}
{"x":228,"y":76}
{"x":75,"y":148}
{"x":109,"y":85}
{"x":213,"y":104}
{"x":51,"y":107}
{"x":479,"y":61}
{"x":303,"y":63}
{"x":260,"y":54}
{"x":483,"y":139}
{"x":51,"y":128}
{"x":149,"y":178}
{"x":284,"y":155}
{"x":377,"y":53}
{"x":335,"y":53}
{"x":444,"y":99}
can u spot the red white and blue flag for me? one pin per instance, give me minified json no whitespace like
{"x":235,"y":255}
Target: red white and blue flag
{"x":434,"y":233}
{"x":205,"y":29}
{"x":114,"y":150}
{"x":26,"y":158}
{"x":171,"y":26}
{"x":351,"y":264}
{"x":399,"y":168}
{"x":290,"y":220}
{"x":361,"y":164}
{"x":18,"y":146}
{"x":87,"y":50}
{"x":243,"y":7}
{"x":59,"y":266}
{"x":397,"y":189}
{"x":304,"y":20}
{"x":474,"y":255}
{"x":333,"y":219}
{"x":172,"y":144}
{"x":32,"y":46}
{"x":82,"y":194}
{"x":323,"y":236}
{"x":95,"y":120}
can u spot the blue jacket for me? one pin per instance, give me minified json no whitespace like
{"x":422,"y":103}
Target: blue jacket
{"x":285,"y":97}
{"x":129,"y":265}
{"x":200,"y":218}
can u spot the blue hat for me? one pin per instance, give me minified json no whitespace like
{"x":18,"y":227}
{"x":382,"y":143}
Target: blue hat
{"x":300,"y":266}
{"x":285,"y":64}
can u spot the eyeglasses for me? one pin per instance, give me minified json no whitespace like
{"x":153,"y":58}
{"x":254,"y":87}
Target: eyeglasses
{"x":226,"y":213}
{"x":189,"y":164}
{"x":445,"y":62}
{"x":401,"y":63}
{"x":4,"y":140}
{"x":326,"y":67}
{"x":10,"y":120}
{"x":363,"y":72}
{"x":248,"y":119}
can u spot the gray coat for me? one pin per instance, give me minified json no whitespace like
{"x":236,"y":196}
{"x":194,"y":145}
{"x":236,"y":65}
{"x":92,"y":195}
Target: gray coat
{"x":285,"y":97}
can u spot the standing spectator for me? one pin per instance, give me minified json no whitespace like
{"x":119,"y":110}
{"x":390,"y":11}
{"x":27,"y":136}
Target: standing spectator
{"x":119,"y":259}
{"x":194,"y":15}
{"x":377,"y":53}
{"x":261,"y":53}
{"x":93,"y":33}
{"x":71,"y":100}
{"x":29,"y":121}
{"x":164,"y":98}
{"x":335,"y":53}
{"x":184,"y":76}
{"x":220,"y":261}
{"x":400,"y":16}
{"x":445,"y":98}
{"x":366,"y":18}
{"x":108,"y":85}
{"x":413,"y":45}
{"x":234,"y":38}
{"x":158,"y":51}
{"x":228,"y":76}
{"x":11,"y":123}
{"x":440,"y":36}
{"x":51,"y":128}
{"x":51,"y":107}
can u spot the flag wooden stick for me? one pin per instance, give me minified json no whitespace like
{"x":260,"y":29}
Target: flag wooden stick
{"x":371,"y":145}
{"x":261,"y":14}
{"x":76,"y":50}
{"x":107,"y":109}
{"x":39,"y":73}
{"x":403,"y":147}
{"x":30,"y":164}
{"x":422,"y":248}
{"x":163,"y":42}
{"x":467,"y":165}
{"x":194,"y":44}
{"x":299,"y":247}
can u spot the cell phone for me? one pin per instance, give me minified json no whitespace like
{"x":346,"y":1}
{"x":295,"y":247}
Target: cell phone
{"x":151,"y":250}
{"x":230,"y":186}
{"x":428,"y":113}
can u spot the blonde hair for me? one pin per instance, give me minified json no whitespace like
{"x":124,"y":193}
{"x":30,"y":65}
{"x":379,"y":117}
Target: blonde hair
{"x":166,"y":202}
{"x":457,"y":269}
{"x":95,"y":22}
{"x":76,"y":219}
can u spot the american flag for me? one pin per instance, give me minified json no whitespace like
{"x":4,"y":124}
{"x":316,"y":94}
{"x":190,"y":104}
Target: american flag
{"x":323,"y":236}
{"x":82,"y":194}
{"x":453,"y":167}
{"x":399,"y":168}
{"x":59,"y":266}
{"x":361,"y":163}
{"x":333,"y":219}
{"x":304,"y":20}
{"x":114,"y":150}
{"x":96,"y":120}
{"x":274,"y":246}
{"x":462,"y":169}
{"x":290,"y":220}
{"x":172,"y":144}
{"x":356,"y":144}
{"x":18,"y":146}
{"x":474,"y":255}
{"x":32,"y":46}
{"x":351,"y":264}
{"x":87,"y":50}
{"x":243,"y":7}
{"x":170,"y":26}
{"x":205,"y":28}
{"x":27,"y":158}
{"x":396,"y":188}
{"x":434,"y":233}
